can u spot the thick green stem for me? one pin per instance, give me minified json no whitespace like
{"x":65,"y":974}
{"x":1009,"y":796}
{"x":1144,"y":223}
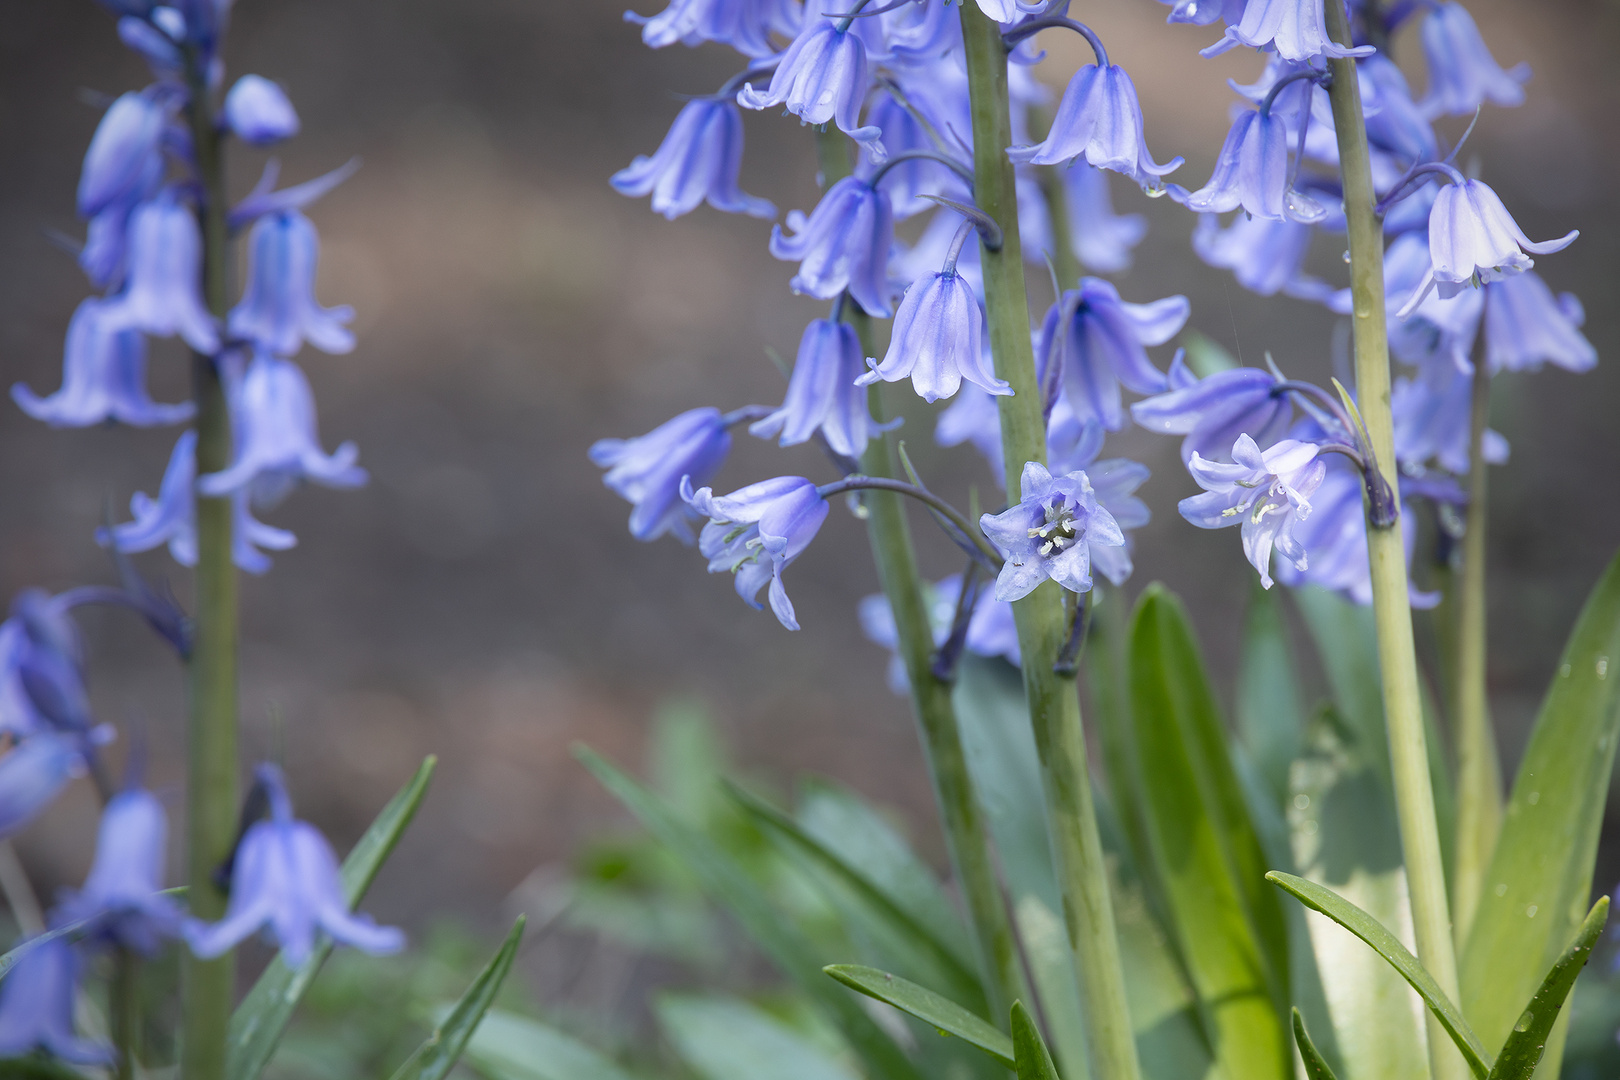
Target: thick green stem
{"x":1054,"y":704}
{"x":207,"y":986}
{"x":126,"y":1013}
{"x":1479,"y":775}
{"x":966,"y":834}
{"x":1408,"y":746}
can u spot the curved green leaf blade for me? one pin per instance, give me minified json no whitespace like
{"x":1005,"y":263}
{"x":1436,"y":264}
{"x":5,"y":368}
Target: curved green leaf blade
{"x":1526,"y":1045}
{"x":927,"y":1006}
{"x":1385,"y":944}
{"x":434,"y":1059}
{"x":257,"y":1023}
{"x":511,"y":1047}
{"x":1031,"y":1059}
{"x":1540,"y":879}
{"x":1315,"y":1067}
{"x":725,"y":881}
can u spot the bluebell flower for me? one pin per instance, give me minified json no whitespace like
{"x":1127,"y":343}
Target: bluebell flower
{"x":1473,"y":240}
{"x":907,"y":182}
{"x":1525,"y":326}
{"x":106,"y":240}
{"x":1335,"y":534}
{"x":285,"y":879}
{"x":158,"y":48}
{"x":1102,"y":239}
{"x":257,"y":112}
{"x":1049,"y":533}
{"x":699,"y":159}
{"x":1203,"y":12}
{"x":278,"y":310}
{"x":1297,"y":29}
{"x":1252,"y":172}
{"x":1072,"y":446}
{"x":1266,"y":492}
{"x":273,"y":415}
{"x":822,"y":78}
{"x":937,"y":340}
{"x":18,"y":717}
{"x":1463,"y":74}
{"x":745,"y":25}
{"x":1266,"y":257}
{"x":122,"y":898}
{"x":163,"y":293}
{"x":1100,"y":120}
{"x":756,"y":532}
{"x":647,"y":471}
{"x":122,"y":151}
{"x":32,"y":773}
{"x":1395,"y":123}
{"x":1432,"y":414}
{"x":822,"y":394}
{"x":1100,"y":342}
{"x":36,"y":1007}
{"x":1212,"y":412}
{"x":919,"y":35}
{"x":843,"y":244}
{"x":990,"y":630}
{"x":103,"y":379}
{"x":171,"y":519}
{"x":934,"y":246}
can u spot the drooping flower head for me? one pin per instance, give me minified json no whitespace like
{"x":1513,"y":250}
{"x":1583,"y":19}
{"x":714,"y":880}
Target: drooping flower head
{"x":124,"y":151}
{"x":33,"y":772}
{"x":745,"y":25}
{"x":1213,"y":411}
{"x":36,"y":1007}
{"x":1463,"y":74}
{"x":1267,"y":493}
{"x":103,"y":379}
{"x":822,"y":394}
{"x":1049,"y":533}
{"x":278,"y":311}
{"x":1526,"y":326}
{"x":1100,"y":120}
{"x":1252,"y":172}
{"x":756,"y":532}
{"x":1266,"y":257}
{"x":1432,"y":417}
{"x":938,"y":339}
{"x":122,"y":899}
{"x":1102,"y":239}
{"x":285,"y":880}
{"x":699,"y":160}
{"x":257,"y":112}
{"x":1100,"y":342}
{"x":822,"y":78}
{"x":163,"y":291}
{"x":647,"y":471}
{"x":1297,"y":29}
{"x":843,"y":244}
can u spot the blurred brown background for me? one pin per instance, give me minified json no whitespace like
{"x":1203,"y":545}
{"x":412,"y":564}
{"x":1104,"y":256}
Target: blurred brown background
{"x":481,"y":599}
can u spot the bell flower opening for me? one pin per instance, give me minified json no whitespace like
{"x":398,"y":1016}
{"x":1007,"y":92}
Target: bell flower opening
{"x":1049,"y":533}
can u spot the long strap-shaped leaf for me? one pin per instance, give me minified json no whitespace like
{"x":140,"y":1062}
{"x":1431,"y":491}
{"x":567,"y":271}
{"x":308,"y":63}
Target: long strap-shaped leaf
{"x":434,"y":1059}
{"x":258,"y":1022}
{"x":1525,"y":1046}
{"x":1032,"y":1060}
{"x":1385,"y":944}
{"x":927,"y":1006}
{"x":726,"y":882}
{"x":1315,"y":1067}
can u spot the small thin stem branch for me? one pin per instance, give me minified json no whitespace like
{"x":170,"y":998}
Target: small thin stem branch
{"x":949,"y":654}
{"x":1283,"y":83}
{"x":1068,"y":661}
{"x":1421,"y":169}
{"x":922,"y":495}
{"x":922,"y":155}
{"x":1408,"y":746}
{"x":1023,"y":30}
{"x":1479,"y":776}
{"x":1054,"y":703}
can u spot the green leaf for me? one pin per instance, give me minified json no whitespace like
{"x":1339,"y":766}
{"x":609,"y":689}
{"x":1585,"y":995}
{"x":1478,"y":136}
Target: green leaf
{"x":1528,"y":1042}
{"x":1384,"y":943}
{"x":1347,"y":645}
{"x":783,"y":942}
{"x":1205,"y":355}
{"x":1204,"y":847}
{"x":1051,"y":969}
{"x":257,"y":1024}
{"x":728,"y":1039}
{"x":1270,"y":719}
{"x":945,"y":1015}
{"x":1315,"y":1067}
{"x":842,"y":821}
{"x":1540,"y":877}
{"x":512,"y":1047}
{"x":434,"y":1059}
{"x":1031,"y":1059}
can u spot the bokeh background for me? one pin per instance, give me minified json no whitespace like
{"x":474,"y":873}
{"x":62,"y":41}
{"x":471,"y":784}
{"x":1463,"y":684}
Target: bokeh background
{"x":481,"y":599}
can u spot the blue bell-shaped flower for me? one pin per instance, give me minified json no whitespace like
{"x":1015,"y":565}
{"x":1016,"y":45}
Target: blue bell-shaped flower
{"x":163,"y":292}
{"x":699,"y":160}
{"x":122,"y":899}
{"x":278,"y":311}
{"x":756,"y":532}
{"x":103,"y":379}
{"x":648,"y":471}
{"x":822,"y":394}
{"x":36,"y":1007}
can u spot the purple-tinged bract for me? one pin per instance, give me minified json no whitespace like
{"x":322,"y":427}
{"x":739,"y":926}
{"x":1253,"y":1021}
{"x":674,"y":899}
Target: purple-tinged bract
{"x":647,"y":471}
{"x":278,"y":311}
{"x":938,"y":340}
{"x":1049,"y":533}
{"x":822,"y":394}
{"x":843,"y":244}
{"x":756,"y":532}
{"x":699,"y":160}
{"x":103,"y":379}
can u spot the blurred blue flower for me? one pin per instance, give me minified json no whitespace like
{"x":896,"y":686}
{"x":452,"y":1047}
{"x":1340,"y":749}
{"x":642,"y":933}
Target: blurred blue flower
{"x":1463,"y":74}
{"x":822,"y":78}
{"x":273,"y":416}
{"x":648,"y":470}
{"x":843,"y":244}
{"x":973,"y":417}
{"x":278,"y":311}
{"x":257,"y":112}
{"x":36,"y":1007}
{"x":756,"y":532}
{"x":1432,"y":414}
{"x":1072,"y":446}
{"x":1213,"y":411}
{"x":158,"y":48}
{"x":171,"y":519}
{"x":1526,"y":326}
{"x":1102,"y":240}
{"x":163,"y":293}
{"x":1394,"y":121}
{"x":937,"y":340}
{"x":1266,"y":257}
{"x":990,"y":629}
{"x":699,"y":160}
{"x":103,"y":379}
{"x":1100,"y":120}
{"x":122,"y":152}
{"x":285,"y":879}
{"x":1203,"y":12}
{"x":745,"y":25}
{"x":1252,"y":172}
{"x":1266,"y":492}
{"x":122,"y":899}
{"x":822,"y":393}
{"x":1296,"y":29}
{"x":32,"y":773}
{"x":1335,"y":534}
{"x":1049,"y":533}
{"x":1099,"y":339}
